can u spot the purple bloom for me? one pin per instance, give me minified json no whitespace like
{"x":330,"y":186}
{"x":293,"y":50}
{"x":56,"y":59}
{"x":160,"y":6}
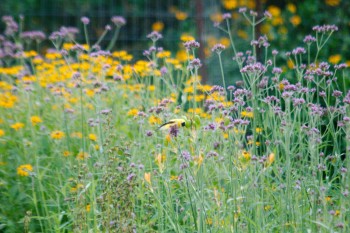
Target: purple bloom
{"x":218,"y":48}
{"x":108,"y":27}
{"x":85,"y":20}
{"x":149,"y":133}
{"x":277,"y":70}
{"x":337,"y":93}
{"x":186,"y":155}
{"x":298,"y":50}
{"x":33,"y":35}
{"x":226,"y":16}
{"x":163,"y":70}
{"x":309,"y":39}
{"x":195,"y":63}
{"x":267,"y":15}
{"x":192,"y":44}
{"x":118,"y":21}
{"x":174,"y":130}
{"x":242,"y":10}
{"x":325,"y":28}
{"x":106,"y":111}
{"x":154,"y":36}
{"x":131,"y":177}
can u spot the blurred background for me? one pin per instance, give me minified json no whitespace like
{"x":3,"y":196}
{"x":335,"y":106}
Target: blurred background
{"x":176,"y":19}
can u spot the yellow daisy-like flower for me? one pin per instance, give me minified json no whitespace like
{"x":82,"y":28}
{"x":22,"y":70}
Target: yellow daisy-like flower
{"x":66,"y":153}
{"x":35,"y":120}
{"x":247,"y":114}
{"x":24,"y":170}
{"x":82,"y":155}
{"x":57,"y":134}
{"x":332,"y":2}
{"x":246,"y":155}
{"x":180,"y":15}
{"x":291,"y":8}
{"x":2,"y":133}
{"x":334,"y":59}
{"x":158,"y":26}
{"x":154,"y":120}
{"x":295,"y":20}
{"x":274,"y":10}
{"x":92,"y":137}
{"x":76,"y":135}
{"x":133,"y":112}
{"x":17,"y":126}
{"x":186,"y":37}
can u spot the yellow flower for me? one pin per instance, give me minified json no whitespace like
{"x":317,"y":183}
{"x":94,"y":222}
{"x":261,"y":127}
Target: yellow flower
{"x":179,"y":15}
{"x":216,"y":17}
{"x":267,"y":207}
{"x":158,"y":26}
{"x":24,"y":170}
{"x":66,"y":153}
{"x":92,"y":137}
{"x":164,"y":54}
{"x":332,"y":2}
{"x":82,"y":155}
{"x":57,"y":134}
{"x":246,"y":155}
{"x":258,"y":130}
{"x":290,"y":64}
{"x":274,"y":10}
{"x":334,"y":59}
{"x":147,"y":177}
{"x":181,"y":55}
{"x":225,"y":41}
{"x":243,"y":34}
{"x":160,"y":159}
{"x":89,"y":92}
{"x":186,"y":37}
{"x":337,"y":213}
{"x":88,"y":208}
{"x":295,"y":20}
{"x":153,"y":120}
{"x":7,"y":100}
{"x":291,"y":8}
{"x":35,"y":120}
{"x":278,"y":20}
{"x":133,"y":112}
{"x":230,"y":4}
{"x":151,"y":88}
{"x":198,"y":160}
{"x":76,"y":135}
{"x":2,"y":133}
{"x":247,"y":114}
{"x":271,"y":158}
{"x":17,"y":126}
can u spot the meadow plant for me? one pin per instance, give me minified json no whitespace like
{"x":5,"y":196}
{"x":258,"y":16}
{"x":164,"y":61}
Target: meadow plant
{"x":81,"y":148}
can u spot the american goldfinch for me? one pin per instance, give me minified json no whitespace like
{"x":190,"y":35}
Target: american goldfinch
{"x":178,"y":122}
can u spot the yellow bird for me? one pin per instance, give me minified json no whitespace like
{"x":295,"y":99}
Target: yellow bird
{"x":178,"y":122}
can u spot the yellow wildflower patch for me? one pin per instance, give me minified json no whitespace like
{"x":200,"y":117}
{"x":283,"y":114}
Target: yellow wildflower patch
{"x":24,"y":170}
{"x":57,"y":134}
{"x":16,"y":126}
{"x":35,"y":120}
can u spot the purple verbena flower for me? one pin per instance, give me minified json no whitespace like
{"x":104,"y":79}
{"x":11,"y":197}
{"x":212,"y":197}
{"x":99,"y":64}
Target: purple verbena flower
{"x":118,"y":21}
